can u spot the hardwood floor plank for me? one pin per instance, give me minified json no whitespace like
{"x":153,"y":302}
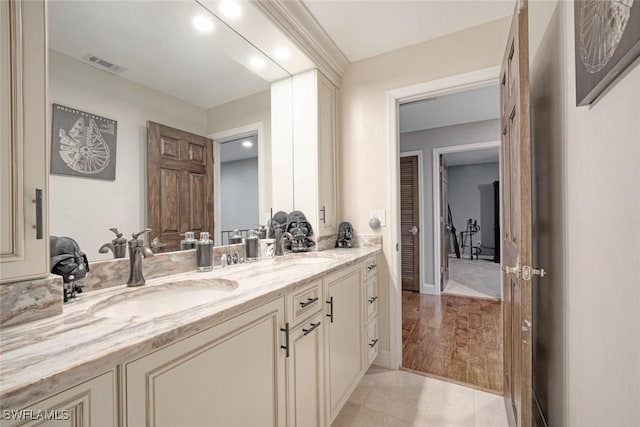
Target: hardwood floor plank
{"x":453,"y":337}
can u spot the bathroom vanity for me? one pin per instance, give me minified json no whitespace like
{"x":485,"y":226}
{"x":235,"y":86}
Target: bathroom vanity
{"x":278,"y":342}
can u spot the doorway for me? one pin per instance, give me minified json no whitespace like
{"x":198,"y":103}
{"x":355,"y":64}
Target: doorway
{"x":451,"y":337}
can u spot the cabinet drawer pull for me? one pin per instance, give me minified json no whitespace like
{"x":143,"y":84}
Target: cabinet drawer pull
{"x":330,"y":314}
{"x":303,"y":304}
{"x":286,"y":338}
{"x":371,"y":267}
{"x":373,"y":343}
{"x":313,"y":326}
{"x":39,"y":214}
{"x":372,"y":300}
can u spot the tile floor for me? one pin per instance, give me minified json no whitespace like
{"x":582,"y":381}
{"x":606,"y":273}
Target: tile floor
{"x":473,"y":278}
{"x":397,"y":398}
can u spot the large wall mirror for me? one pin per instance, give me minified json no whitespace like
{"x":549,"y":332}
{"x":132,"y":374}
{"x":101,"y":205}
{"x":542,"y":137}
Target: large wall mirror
{"x":116,"y":66}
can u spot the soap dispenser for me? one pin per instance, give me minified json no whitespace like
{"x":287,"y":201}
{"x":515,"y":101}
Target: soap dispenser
{"x":204,"y":252}
{"x":189,"y":241}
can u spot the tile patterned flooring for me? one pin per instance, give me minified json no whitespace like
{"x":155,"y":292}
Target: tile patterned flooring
{"x":398,"y":398}
{"x":454,"y":338}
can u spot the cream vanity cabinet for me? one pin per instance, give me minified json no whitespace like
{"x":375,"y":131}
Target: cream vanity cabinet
{"x":92,"y":403}
{"x":344,"y":337}
{"x":232,"y":374}
{"x":305,"y":362}
{"x":314,"y":149}
{"x":24,"y":242}
{"x":371,"y":309}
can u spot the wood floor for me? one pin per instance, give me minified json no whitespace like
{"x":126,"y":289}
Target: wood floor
{"x":453,"y":337}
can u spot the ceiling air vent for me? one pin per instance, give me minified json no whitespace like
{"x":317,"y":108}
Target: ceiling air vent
{"x":103,"y":64}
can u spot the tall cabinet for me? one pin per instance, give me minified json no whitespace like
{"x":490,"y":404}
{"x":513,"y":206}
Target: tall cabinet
{"x":24,"y":137}
{"x":314,"y":150}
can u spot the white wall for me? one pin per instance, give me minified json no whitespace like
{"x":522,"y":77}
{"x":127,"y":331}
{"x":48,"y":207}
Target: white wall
{"x":471,"y":196}
{"x":242,"y":112}
{"x":239,"y":194}
{"x":86,"y":208}
{"x":363,"y":143}
{"x":426,"y":141}
{"x":586,"y":210}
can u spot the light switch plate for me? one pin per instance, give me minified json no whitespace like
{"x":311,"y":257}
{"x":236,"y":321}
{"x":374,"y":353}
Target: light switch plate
{"x":380,"y":214}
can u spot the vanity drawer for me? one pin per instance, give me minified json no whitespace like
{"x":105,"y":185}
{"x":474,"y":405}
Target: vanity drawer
{"x":304,"y":302}
{"x":372,"y":341}
{"x":370,"y":267}
{"x":371,"y":293}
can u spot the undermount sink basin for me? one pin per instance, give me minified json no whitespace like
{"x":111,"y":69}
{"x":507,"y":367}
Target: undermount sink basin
{"x":311,"y":260}
{"x":158,"y":300}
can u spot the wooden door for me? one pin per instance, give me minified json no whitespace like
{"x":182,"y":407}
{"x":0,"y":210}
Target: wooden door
{"x":180,"y":184}
{"x":409,"y":220}
{"x":445,"y":233}
{"x":516,"y":246}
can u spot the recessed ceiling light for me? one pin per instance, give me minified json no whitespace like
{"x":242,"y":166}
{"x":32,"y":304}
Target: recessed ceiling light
{"x":230,"y":9}
{"x":203,"y":23}
{"x":282,"y":53}
{"x":257,"y":63}
{"x":247,"y":144}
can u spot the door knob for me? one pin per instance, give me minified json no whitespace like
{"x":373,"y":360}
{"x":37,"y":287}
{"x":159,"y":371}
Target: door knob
{"x":414,"y":230}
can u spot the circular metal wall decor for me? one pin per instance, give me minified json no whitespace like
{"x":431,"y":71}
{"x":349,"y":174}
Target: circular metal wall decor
{"x":602,"y":24}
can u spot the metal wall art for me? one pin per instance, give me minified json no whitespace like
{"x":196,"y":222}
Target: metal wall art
{"x":607,"y":40}
{"x":83,"y":144}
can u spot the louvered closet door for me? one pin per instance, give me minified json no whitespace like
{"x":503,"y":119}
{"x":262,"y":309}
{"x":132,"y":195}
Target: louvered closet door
{"x":409,"y":220}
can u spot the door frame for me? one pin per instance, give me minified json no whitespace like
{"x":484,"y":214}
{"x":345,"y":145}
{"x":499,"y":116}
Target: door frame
{"x":424,"y":287}
{"x":220,"y":138}
{"x":437,"y":152}
{"x":444,"y":86}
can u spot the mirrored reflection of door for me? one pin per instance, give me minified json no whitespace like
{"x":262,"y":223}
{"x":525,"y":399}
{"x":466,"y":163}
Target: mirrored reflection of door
{"x":180,"y":184}
{"x":409,"y":222}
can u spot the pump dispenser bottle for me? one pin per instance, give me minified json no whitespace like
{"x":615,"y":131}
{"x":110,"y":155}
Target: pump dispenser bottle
{"x":204,"y":252}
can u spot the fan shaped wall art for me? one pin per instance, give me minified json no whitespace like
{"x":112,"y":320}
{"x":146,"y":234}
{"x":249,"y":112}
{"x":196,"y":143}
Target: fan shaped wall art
{"x":83,"y":144}
{"x":607,"y":40}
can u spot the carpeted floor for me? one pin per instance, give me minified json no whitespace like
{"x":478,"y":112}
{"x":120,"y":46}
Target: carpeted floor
{"x":473,"y":278}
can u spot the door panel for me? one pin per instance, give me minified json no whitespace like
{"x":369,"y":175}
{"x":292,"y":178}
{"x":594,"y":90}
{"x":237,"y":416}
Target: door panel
{"x":445,"y":234}
{"x":180,"y":183}
{"x":516,"y":197}
{"x":409,"y":221}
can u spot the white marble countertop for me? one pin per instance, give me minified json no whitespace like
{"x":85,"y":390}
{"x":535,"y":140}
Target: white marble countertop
{"x":44,"y":357}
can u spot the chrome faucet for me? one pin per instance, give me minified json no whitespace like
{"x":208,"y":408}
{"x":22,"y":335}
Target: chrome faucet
{"x":280,"y":236}
{"x":137,"y":251}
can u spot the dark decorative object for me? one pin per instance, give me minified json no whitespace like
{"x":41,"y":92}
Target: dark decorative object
{"x":68,"y":261}
{"x":607,"y":40}
{"x":279,"y":220}
{"x":345,"y":234}
{"x":301,"y":230}
{"x":83,"y":144}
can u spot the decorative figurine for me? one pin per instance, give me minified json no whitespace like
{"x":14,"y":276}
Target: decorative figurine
{"x":300,"y":229}
{"x":345,"y":235}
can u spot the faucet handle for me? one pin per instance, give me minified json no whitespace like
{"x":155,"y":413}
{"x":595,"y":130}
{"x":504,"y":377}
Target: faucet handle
{"x":136,"y":235}
{"x":116,"y":232}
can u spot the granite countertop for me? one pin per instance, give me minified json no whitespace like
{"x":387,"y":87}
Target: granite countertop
{"x":44,"y":357}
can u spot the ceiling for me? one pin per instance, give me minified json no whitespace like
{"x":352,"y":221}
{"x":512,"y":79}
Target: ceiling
{"x":149,"y":40}
{"x":461,"y":158}
{"x":234,"y":150}
{"x":365,"y":28}
{"x":463,"y":107}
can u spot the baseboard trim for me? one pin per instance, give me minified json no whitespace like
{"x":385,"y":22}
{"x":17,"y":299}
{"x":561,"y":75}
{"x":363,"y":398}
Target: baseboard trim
{"x":384,"y":359}
{"x":538,"y":415}
{"x":428,"y":288}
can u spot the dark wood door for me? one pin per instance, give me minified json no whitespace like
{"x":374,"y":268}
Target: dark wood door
{"x":516,"y":245}
{"x":179,"y":183}
{"x":445,"y":230}
{"x":409,"y":220}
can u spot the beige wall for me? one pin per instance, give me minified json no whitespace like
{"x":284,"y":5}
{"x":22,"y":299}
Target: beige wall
{"x":364,"y":145}
{"x":245,"y":111}
{"x":587,"y":311}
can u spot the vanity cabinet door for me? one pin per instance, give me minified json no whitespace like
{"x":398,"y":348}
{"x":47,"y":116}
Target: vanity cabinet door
{"x":327,"y":197}
{"x":345,"y":337}
{"x":305,"y":374}
{"x":232,"y":374}
{"x":24,"y":139}
{"x":92,"y":403}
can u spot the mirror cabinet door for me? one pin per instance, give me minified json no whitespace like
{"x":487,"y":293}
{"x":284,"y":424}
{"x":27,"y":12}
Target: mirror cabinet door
{"x":24,"y":242}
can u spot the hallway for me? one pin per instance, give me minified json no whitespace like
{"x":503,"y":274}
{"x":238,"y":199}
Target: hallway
{"x":454,"y":338}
